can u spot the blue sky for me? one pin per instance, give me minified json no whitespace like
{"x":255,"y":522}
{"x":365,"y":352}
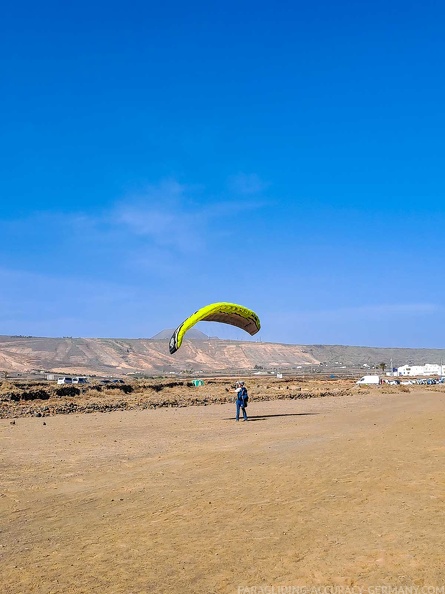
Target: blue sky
{"x":287,"y":156}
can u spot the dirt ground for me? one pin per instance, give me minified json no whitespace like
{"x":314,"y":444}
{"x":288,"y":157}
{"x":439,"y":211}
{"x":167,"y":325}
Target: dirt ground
{"x":346,"y":490}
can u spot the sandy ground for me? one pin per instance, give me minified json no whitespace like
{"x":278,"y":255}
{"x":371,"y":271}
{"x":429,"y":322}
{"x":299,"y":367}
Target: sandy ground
{"x":335,"y":491}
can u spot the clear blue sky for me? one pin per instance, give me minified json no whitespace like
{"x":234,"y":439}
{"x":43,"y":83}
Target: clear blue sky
{"x":288,"y":156}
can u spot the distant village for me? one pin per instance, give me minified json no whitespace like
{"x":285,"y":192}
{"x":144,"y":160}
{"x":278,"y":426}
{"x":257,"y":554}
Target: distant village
{"x":415,"y":370}
{"x":410,"y":370}
{"x":419,"y":374}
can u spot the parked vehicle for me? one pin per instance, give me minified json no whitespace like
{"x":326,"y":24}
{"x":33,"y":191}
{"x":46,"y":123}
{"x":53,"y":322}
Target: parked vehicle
{"x":80,"y":380}
{"x":65,"y":380}
{"x":368,"y":379}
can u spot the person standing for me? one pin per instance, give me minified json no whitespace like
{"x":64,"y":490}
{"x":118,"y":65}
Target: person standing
{"x":241,"y":400}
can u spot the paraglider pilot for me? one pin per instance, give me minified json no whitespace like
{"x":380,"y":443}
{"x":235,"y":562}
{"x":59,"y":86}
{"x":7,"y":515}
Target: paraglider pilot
{"x":241,"y":400}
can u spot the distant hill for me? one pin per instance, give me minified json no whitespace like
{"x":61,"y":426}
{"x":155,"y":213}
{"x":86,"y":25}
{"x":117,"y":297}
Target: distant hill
{"x":192,"y":334}
{"x":151,"y":356}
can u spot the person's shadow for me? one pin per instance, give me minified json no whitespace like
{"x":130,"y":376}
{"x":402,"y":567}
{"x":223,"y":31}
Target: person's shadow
{"x":265,"y":417}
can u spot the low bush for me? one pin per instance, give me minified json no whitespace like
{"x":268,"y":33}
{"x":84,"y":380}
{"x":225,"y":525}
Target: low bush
{"x":34,"y":395}
{"x":126,"y":388}
{"x":67,"y":391}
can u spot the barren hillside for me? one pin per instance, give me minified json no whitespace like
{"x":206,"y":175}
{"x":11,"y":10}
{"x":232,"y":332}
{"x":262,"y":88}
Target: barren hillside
{"x":120,"y":356}
{"x":89,"y":355}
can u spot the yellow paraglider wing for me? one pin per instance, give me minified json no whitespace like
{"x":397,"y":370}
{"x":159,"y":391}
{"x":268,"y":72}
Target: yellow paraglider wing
{"x":226,"y":313}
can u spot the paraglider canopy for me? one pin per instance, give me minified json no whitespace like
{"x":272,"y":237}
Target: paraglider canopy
{"x":226,"y":313}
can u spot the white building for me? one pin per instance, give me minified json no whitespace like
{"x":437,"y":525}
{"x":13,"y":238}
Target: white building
{"x":428,"y":369}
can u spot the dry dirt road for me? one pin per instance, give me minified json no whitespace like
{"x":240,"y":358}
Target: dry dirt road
{"x":334,"y":491}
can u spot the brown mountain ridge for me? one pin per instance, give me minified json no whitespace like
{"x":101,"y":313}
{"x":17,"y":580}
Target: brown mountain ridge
{"x":151,"y":356}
